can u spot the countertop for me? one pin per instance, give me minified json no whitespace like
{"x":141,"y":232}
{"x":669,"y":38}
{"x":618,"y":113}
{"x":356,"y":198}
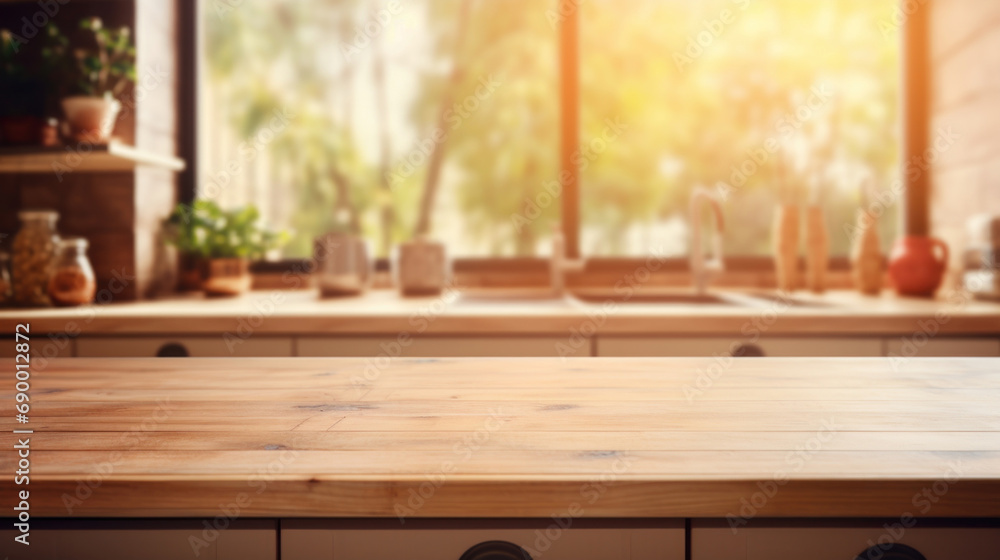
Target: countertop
{"x":385,"y":312}
{"x":516,"y":437}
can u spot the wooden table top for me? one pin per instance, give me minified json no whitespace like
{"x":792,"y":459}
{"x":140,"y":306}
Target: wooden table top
{"x":594,"y":437}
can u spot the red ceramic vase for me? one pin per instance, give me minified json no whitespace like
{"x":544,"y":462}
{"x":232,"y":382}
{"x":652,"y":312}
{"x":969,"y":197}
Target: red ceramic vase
{"x":917,"y":265}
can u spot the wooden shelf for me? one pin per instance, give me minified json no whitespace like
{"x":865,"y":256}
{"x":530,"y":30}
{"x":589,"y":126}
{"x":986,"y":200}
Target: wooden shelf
{"x":115,"y":156}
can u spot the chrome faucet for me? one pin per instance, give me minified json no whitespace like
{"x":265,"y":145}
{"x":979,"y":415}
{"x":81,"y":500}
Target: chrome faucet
{"x":703,"y":271}
{"x":559,"y":265}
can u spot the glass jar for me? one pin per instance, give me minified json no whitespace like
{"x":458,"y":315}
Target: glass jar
{"x":73,"y":282}
{"x":5,"y":287}
{"x":34,"y":249}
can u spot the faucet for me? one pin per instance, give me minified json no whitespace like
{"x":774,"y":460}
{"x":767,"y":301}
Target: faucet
{"x":559,"y":265}
{"x":703,"y":271}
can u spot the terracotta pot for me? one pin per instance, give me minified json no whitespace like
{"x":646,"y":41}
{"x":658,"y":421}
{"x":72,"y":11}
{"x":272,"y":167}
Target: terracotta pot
{"x":226,"y":277}
{"x":91,"y":119}
{"x":917,"y":265}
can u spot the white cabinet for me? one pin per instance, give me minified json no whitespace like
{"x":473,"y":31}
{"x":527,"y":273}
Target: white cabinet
{"x":711,"y":346}
{"x":323,"y":540}
{"x":202,"y":346}
{"x":146,"y":539}
{"x":928,"y":347}
{"x":444,"y":346}
{"x":715,"y":540}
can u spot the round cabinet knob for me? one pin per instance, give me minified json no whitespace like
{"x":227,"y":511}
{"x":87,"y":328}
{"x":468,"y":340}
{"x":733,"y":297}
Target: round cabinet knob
{"x":172,"y":350}
{"x":748,"y":351}
{"x":496,"y":550}
{"x":893,"y":551}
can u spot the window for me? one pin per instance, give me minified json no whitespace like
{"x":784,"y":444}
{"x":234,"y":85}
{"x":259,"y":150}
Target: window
{"x":395,"y":118}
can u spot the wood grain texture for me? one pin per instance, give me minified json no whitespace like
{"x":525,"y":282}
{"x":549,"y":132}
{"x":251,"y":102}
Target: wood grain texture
{"x":384,"y":312}
{"x":509,"y":437}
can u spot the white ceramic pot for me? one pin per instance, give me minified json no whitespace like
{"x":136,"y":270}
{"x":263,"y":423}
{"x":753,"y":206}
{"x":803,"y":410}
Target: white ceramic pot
{"x":91,"y":119}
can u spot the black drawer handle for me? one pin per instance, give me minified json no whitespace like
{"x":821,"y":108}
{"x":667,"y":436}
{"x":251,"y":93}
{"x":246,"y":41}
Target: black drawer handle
{"x":172,"y":350}
{"x":892,"y":551}
{"x":748,"y":351}
{"x":496,"y":550}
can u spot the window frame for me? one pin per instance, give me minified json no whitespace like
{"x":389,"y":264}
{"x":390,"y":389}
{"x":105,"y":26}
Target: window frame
{"x":916,"y":103}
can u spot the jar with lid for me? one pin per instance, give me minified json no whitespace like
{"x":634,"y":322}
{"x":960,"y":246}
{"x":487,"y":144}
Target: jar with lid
{"x":34,"y":249}
{"x":73,"y":282}
{"x":5,"y":287}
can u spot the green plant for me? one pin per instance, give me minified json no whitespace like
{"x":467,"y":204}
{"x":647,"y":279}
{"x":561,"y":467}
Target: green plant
{"x":103,"y":69}
{"x":10,"y":65}
{"x":205,"y":230}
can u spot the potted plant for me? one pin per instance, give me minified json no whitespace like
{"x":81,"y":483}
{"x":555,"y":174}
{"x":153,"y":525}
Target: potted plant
{"x":97,"y":75}
{"x":216,"y":245}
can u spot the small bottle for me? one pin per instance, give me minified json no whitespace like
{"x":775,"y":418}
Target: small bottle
{"x":34,"y":248}
{"x":73,"y":282}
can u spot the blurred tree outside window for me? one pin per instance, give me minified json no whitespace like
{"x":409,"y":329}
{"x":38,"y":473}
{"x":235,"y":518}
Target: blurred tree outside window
{"x":393,"y":118}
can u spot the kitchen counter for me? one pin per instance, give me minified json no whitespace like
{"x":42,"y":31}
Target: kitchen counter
{"x":385,"y":312}
{"x":524,"y":437}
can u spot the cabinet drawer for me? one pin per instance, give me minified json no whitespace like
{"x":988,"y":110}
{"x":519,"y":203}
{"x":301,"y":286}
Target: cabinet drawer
{"x":841,"y":543}
{"x":303,"y":540}
{"x":206,"y":347}
{"x":41,"y":346}
{"x":908,"y":346}
{"x":149,"y":540}
{"x":710,"y":346}
{"x":443,"y":347}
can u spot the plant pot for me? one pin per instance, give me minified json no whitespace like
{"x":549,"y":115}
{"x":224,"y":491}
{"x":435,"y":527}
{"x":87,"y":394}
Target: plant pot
{"x":225,"y":277}
{"x":342,"y":266}
{"x":917,"y":265}
{"x":91,"y":119}
{"x":422,"y":268}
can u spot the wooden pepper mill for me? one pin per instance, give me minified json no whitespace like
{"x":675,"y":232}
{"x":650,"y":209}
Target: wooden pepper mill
{"x":785,"y":239}
{"x":817,"y":249}
{"x":866,"y":255}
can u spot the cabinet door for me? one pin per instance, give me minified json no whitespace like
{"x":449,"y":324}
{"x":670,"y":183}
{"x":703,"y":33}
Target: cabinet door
{"x":717,"y":542}
{"x":443,"y":347}
{"x":923,"y":346}
{"x":711,"y":346}
{"x":149,"y":540}
{"x":205,"y":347}
{"x":319,"y":540}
